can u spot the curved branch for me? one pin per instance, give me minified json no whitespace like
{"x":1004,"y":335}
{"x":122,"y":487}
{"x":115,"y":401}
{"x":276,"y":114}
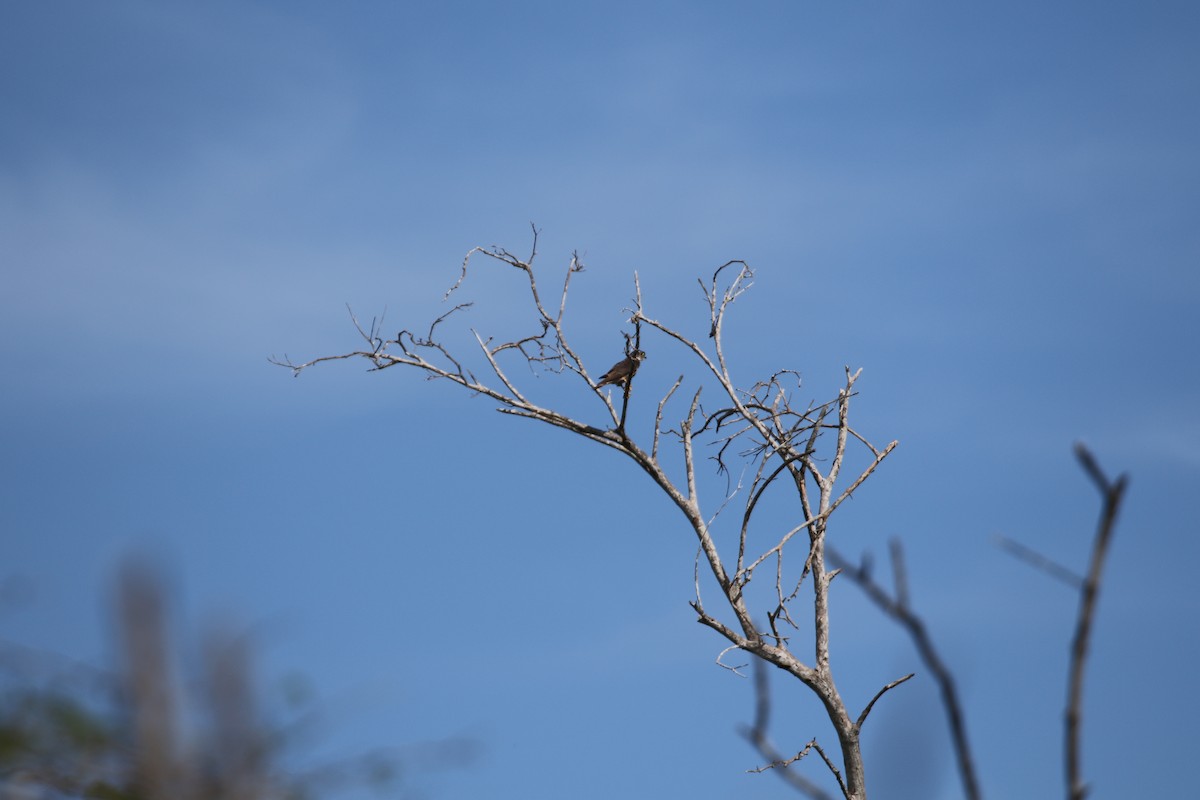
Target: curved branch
{"x":863,"y":716}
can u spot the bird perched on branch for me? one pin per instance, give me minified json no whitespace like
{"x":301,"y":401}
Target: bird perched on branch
{"x":623,"y":370}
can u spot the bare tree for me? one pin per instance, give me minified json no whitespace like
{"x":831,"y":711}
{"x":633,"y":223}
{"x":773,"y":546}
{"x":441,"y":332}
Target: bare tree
{"x":762,"y":434}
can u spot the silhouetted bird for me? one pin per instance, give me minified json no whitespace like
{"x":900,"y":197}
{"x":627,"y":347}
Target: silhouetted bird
{"x":623,"y":370}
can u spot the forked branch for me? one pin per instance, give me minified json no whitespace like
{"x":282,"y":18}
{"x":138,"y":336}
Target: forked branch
{"x":1111,"y":493}
{"x":896,"y":605}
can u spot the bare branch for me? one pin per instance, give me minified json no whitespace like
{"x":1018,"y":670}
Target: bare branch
{"x":721,"y":663}
{"x":463,"y":274}
{"x":898,"y":609}
{"x":1111,"y":494}
{"x":1092,"y":468}
{"x":832,"y":767}
{"x":779,"y":766}
{"x":863,"y":716}
{"x":730,"y":493}
{"x":1039,"y":561}
{"x":689,"y":459}
{"x":575,"y":266}
{"x":659,"y":415}
{"x":533,"y":246}
{"x":757,"y":735}
{"x":373,"y":339}
{"x":718,"y":626}
{"x":757,"y":488}
{"x":298,"y":368}
{"x":899,"y":572}
{"x":820,"y":518}
{"x":490,"y":356}
{"x":866,"y":473}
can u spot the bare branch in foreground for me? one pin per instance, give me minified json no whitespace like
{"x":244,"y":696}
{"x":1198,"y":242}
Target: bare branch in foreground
{"x":757,"y":735}
{"x":897,"y":607}
{"x":1111,"y":493}
{"x":1038,"y":561}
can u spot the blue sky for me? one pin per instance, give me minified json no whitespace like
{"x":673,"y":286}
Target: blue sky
{"x":991,"y":209}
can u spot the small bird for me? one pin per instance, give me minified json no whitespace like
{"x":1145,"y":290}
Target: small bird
{"x":623,"y":370}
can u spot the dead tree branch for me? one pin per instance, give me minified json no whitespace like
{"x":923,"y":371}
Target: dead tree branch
{"x":1111,"y":493}
{"x":764,"y":428}
{"x":1038,"y":561}
{"x":896,"y":606}
{"x":757,"y":735}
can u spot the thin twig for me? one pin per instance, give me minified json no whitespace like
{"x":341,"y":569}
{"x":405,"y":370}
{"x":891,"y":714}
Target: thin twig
{"x":758,"y":736}
{"x":1038,"y":561}
{"x":863,"y":716}
{"x":659,"y":415}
